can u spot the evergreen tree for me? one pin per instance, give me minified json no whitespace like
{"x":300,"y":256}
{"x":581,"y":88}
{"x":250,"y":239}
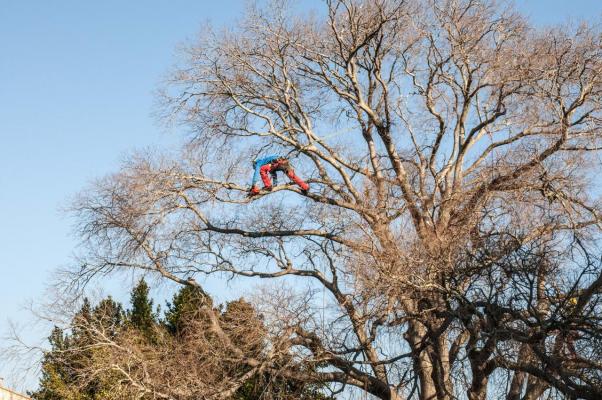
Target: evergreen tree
{"x":110,"y":315}
{"x":57,"y":378}
{"x":59,"y":366}
{"x":72,"y":353}
{"x":83,"y":315}
{"x":185,"y":306}
{"x":67,"y":365}
{"x":141,"y":315}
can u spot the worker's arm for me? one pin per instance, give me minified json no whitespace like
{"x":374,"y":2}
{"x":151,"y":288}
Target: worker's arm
{"x":256,"y":174}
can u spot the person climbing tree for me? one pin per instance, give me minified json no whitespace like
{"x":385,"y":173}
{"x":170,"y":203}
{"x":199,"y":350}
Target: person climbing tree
{"x":270,"y":165}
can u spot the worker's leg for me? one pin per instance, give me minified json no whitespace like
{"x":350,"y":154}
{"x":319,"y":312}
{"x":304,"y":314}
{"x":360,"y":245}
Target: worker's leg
{"x":264,"y":171}
{"x":291,"y":174}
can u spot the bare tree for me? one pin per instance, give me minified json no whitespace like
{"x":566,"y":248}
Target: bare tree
{"x":449,"y":236}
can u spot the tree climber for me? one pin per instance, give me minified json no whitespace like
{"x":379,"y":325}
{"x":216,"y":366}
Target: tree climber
{"x":271,"y":165}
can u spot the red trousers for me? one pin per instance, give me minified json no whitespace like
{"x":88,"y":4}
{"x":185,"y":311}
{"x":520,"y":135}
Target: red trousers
{"x":265,"y":171}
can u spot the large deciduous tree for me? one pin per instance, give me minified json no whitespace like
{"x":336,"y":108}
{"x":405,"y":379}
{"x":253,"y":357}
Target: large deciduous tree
{"x":447,"y":246}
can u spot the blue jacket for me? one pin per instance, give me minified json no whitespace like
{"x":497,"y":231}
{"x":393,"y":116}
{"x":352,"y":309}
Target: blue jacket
{"x":260,"y":162}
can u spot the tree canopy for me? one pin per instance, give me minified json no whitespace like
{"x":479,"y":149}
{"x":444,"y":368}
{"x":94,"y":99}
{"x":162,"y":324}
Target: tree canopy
{"x":449,"y":243}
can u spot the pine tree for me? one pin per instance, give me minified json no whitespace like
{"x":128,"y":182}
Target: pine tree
{"x":57,"y":380}
{"x":71,"y":353}
{"x":185,"y":306}
{"x":66,"y":367}
{"x":110,"y":315}
{"x":141,"y":315}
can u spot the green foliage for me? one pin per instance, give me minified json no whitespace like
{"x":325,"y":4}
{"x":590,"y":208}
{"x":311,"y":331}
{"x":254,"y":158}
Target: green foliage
{"x":61,"y":365}
{"x":71,"y":352}
{"x":141,"y":315}
{"x":185,"y":306}
{"x":110,"y":315}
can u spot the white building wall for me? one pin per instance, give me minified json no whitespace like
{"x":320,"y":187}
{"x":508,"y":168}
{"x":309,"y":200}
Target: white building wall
{"x":6,"y":394}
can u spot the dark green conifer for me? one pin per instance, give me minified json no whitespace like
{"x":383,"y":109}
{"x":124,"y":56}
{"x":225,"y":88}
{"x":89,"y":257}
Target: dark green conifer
{"x":141,"y":315}
{"x":186,"y":306}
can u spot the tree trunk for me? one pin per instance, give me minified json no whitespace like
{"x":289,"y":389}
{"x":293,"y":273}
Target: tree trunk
{"x":516,"y":387}
{"x":422,"y":364}
{"x":478,"y":389}
{"x":394,"y":396}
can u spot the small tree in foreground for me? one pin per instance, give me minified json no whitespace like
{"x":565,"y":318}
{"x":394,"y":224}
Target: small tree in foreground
{"x":448,"y":245}
{"x":68,"y":368}
{"x":106,"y":356}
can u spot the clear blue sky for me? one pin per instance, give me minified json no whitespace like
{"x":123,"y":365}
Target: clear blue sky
{"x":76,"y":82}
